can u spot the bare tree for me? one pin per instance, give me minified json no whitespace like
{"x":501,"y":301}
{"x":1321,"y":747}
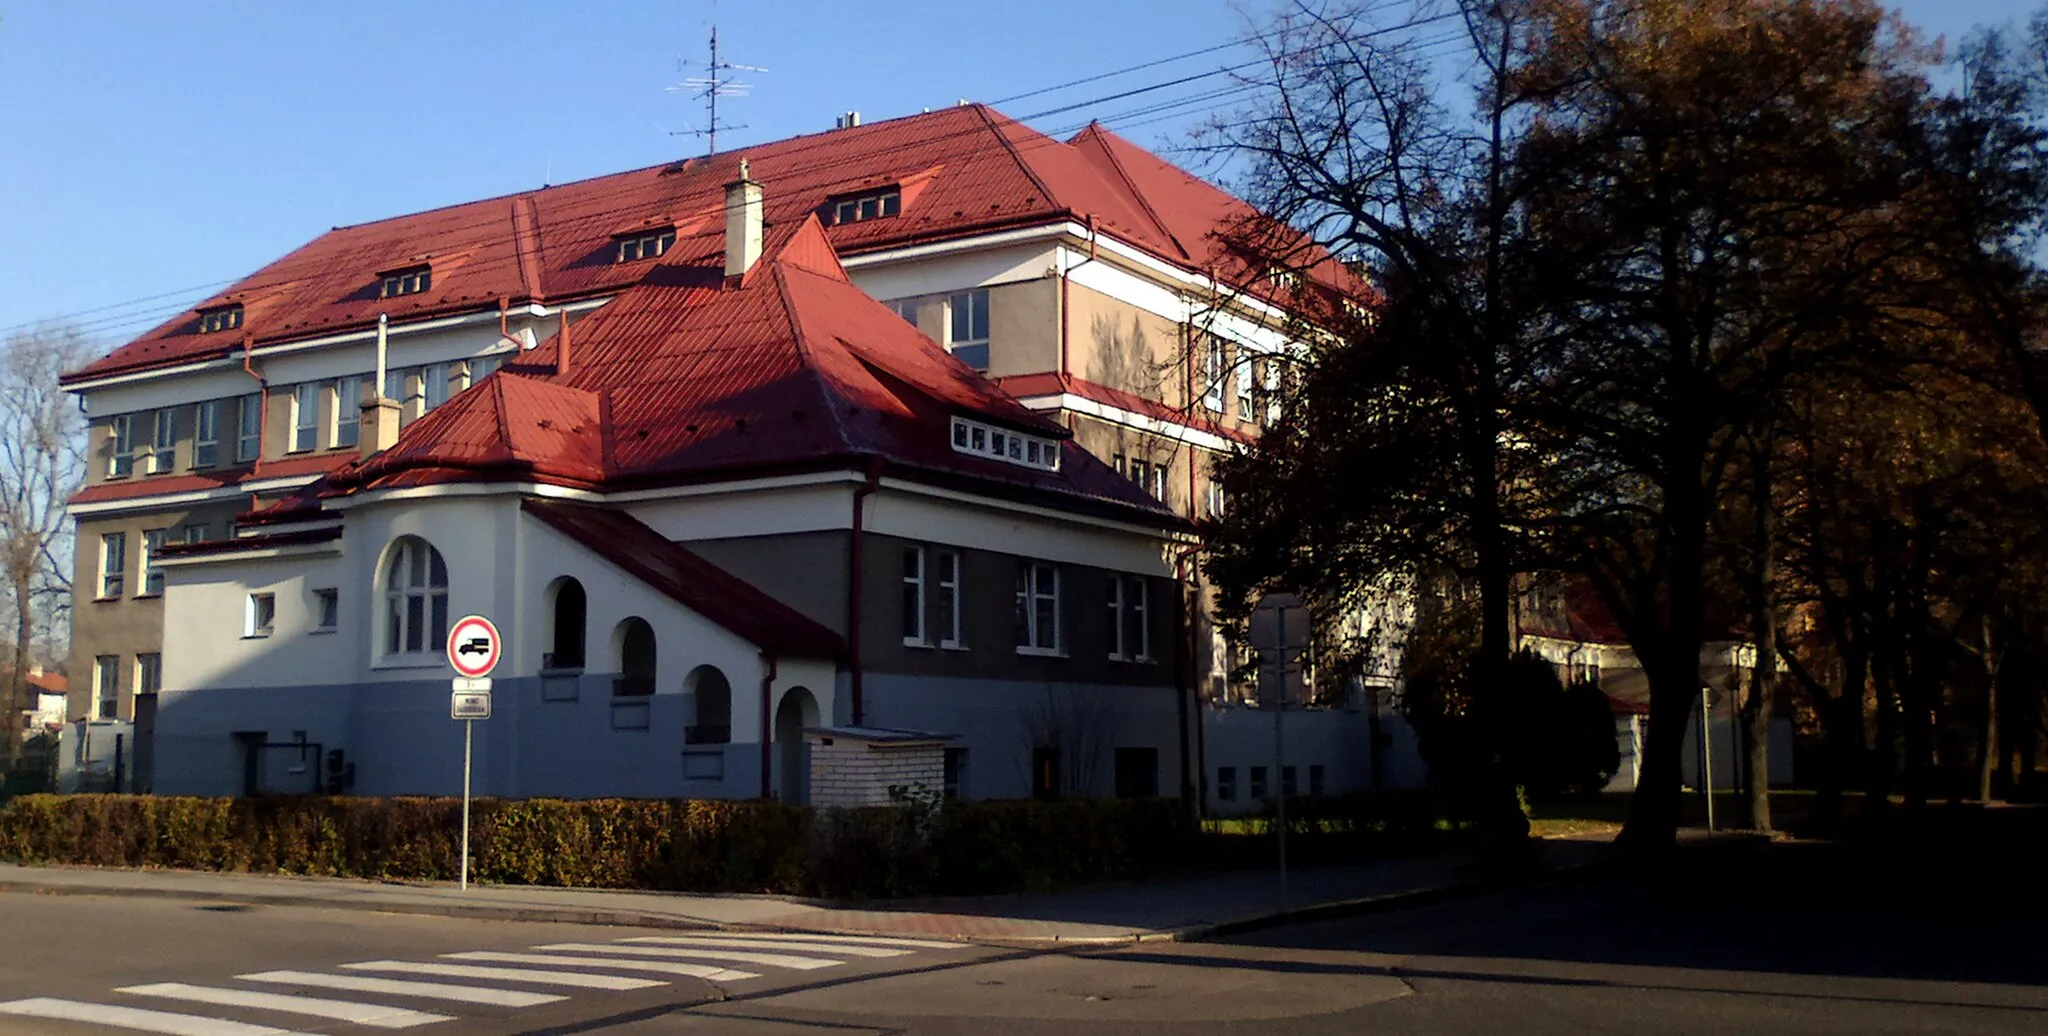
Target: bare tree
{"x":42,"y":463}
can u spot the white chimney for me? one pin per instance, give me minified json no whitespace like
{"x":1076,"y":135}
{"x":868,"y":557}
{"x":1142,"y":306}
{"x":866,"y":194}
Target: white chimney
{"x":849,"y":120}
{"x":742,"y":223}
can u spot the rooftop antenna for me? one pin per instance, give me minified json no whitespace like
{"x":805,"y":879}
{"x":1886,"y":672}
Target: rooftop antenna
{"x":716,"y":82}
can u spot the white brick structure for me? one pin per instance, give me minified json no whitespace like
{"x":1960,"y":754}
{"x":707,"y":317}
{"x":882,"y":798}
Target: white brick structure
{"x":857,"y":766}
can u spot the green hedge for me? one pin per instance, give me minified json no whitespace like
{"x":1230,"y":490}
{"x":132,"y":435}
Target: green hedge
{"x":690,"y":846}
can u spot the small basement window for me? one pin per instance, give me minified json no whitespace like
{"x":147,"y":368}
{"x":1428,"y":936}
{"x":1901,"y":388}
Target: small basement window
{"x":220,"y":318}
{"x":410,"y":281}
{"x":649,"y":244}
{"x":867,"y":206}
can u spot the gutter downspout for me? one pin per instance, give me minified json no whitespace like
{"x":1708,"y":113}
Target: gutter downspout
{"x":1194,"y":779}
{"x":1066,"y":272}
{"x":262,"y":405}
{"x":853,"y":589}
{"x":767,"y":747}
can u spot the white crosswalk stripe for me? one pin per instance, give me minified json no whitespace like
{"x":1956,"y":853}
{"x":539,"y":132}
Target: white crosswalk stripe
{"x":533,"y":975}
{"x":374,"y":1015}
{"x":875,"y":940}
{"x":402,"y":987}
{"x":773,"y":960}
{"x":166,"y":1022}
{"x":703,"y":971}
{"x":845,"y":949}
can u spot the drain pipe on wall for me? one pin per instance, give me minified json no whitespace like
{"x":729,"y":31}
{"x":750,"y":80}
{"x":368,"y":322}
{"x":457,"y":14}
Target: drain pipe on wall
{"x":1066,"y":272}
{"x":853,"y":588}
{"x":767,"y":749}
{"x":262,"y":404}
{"x":1194,"y":779}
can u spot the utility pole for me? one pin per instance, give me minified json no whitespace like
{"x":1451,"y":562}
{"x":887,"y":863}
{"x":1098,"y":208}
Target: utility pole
{"x":1279,"y":739}
{"x":713,"y":84}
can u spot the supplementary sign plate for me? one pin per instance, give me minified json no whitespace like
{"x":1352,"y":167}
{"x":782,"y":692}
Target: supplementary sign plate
{"x":470,"y":704}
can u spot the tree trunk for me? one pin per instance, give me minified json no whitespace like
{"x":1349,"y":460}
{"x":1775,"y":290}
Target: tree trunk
{"x":1987,"y":755}
{"x":1756,"y":712}
{"x":1673,"y":667}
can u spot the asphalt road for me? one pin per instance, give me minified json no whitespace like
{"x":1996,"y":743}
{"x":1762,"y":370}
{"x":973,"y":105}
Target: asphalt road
{"x":1936,"y":932}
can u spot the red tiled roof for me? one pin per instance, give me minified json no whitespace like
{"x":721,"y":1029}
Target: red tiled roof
{"x":261,"y":541}
{"x":961,"y":171}
{"x":695,"y":583}
{"x":140,"y":486}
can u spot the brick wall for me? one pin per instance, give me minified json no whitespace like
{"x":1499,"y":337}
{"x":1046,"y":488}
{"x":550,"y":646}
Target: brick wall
{"x":848,"y":772}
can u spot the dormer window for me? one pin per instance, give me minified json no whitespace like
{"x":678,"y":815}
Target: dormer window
{"x":220,"y":318}
{"x":648,"y":244}
{"x":410,"y":281}
{"x":874,"y":205}
{"x":981,"y":440}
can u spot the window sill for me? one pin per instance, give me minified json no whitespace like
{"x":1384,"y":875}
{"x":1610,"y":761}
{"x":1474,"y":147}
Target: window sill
{"x":264,"y":635}
{"x":563,"y":671}
{"x":952,"y":645}
{"x":108,"y":600}
{"x":1039,"y":652}
{"x":421,"y":661}
{"x":918,"y":642}
{"x":318,"y":630}
{"x":148,"y":596}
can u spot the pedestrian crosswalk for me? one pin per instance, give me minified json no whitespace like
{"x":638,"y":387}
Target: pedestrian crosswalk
{"x":359,"y":993}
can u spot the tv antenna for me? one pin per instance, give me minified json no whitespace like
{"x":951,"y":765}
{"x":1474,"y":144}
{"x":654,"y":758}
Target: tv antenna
{"x":716,"y":82}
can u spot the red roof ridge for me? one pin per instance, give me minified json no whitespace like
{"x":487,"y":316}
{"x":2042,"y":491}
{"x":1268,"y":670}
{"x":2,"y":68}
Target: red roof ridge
{"x":526,"y":244}
{"x":1002,"y":135}
{"x":1095,"y":134}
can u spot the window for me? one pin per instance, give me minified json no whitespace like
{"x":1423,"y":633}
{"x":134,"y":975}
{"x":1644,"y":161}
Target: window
{"x":482,"y":367}
{"x":394,"y":385}
{"x":1137,"y":773}
{"x":955,"y":775}
{"x":206,"y":434}
{"x":348,"y":411}
{"x":260,"y":617}
{"x":1130,"y":632}
{"x":867,"y":206}
{"x":409,"y":281}
{"x":946,"y":606}
{"x":1007,"y":446}
{"x":572,"y":610}
{"x":648,"y":244}
{"x":162,"y":454}
{"x":1212,"y":374}
{"x":967,"y":336}
{"x":113,"y":564}
{"x":149,"y":673}
{"x":1243,"y":376}
{"x":1215,"y":498}
{"x":248,"y":429}
{"x":106,"y":686}
{"x":1038,"y":608}
{"x":905,"y":308}
{"x":1287,"y":786}
{"x":434,"y":384}
{"x":152,"y":545}
{"x":305,"y":416}
{"x":1272,"y":389}
{"x":1226,"y":784}
{"x":713,"y":696}
{"x":635,"y":640}
{"x":1045,"y":772}
{"x":1315,"y":779}
{"x":1158,"y":488}
{"x":220,"y":318}
{"x":193,"y":533}
{"x":416,"y":597}
{"x":913,"y":597}
{"x":1140,"y":473}
{"x":1258,"y":788}
{"x":120,"y":446}
{"x":326,"y":609}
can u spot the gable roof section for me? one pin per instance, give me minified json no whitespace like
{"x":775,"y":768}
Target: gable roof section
{"x":961,"y":171}
{"x":691,"y":581}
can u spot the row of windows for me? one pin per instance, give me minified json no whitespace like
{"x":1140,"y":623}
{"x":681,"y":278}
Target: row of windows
{"x":966,"y":324}
{"x":159,"y":452}
{"x":933,"y":607}
{"x":106,"y":681}
{"x":862,"y":207}
{"x":983,"y":440}
{"x":259,"y":614}
{"x":1257,"y":380}
{"x":1226,"y":782}
{"x":113,"y":568}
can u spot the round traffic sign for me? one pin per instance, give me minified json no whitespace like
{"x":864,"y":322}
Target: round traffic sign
{"x":473,"y":646}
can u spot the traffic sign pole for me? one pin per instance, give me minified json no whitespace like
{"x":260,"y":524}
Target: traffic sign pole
{"x":470,"y":699}
{"x":468,"y":727}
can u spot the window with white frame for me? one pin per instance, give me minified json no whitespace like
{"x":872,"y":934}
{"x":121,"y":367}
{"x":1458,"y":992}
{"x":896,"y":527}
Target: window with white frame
{"x":113,"y":564}
{"x":326,"y":609}
{"x":410,"y":281}
{"x":1272,"y":391}
{"x":193,"y":533}
{"x":106,"y":686}
{"x":149,"y":672}
{"x":416,"y":599}
{"x":1242,"y":374}
{"x":1215,"y":498}
{"x":864,"y":207}
{"x":259,"y":616}
{"x":1159,"y":481}
{"x":1130,"y":630}
{"x":305,"y":416}
{"x":248,"y":429}
{"x":1038,"y":608}
{"x":152,"y":547}
{"x":647,"y":244}
{"x":206,"y":434}
{"x":967,"y":328}
{"x":946,"y":602}
{"x":1002,"y":444}
{"x":348,"y":411}
{"x":162,"y":454}
{"x":481,"y":367}
{"x":433,"y":385}
{"x":220,"y":318}
{"x":913,"y":597}
{"x":1212,"y":373}
{"x":120,"y":445}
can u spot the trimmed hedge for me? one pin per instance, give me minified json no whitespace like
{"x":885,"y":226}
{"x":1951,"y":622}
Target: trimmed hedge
{"x":685,"y":846}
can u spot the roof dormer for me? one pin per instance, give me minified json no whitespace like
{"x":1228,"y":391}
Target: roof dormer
{"x":410,"y":280}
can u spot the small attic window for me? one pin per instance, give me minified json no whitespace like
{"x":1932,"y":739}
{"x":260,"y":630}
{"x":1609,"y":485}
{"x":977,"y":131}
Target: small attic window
{"x":647,"y":244}
{"x":873,"y":205}
{"x":980,"y":440}
{"x":220,"y":318}
{"x":410,"y":281}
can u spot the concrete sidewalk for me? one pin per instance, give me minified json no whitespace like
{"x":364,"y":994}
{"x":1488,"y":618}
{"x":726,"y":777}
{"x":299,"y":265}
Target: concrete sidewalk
{"x":1181,"y":909}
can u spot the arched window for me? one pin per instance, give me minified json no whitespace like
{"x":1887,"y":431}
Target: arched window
{"x":634,"y":642}
{"x":713,"y":695}
{"x":416,"y":593}
{"x":565,"y":650}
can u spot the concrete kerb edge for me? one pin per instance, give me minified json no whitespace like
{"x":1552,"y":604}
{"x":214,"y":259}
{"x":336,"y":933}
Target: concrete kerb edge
{"x":477,"y":911}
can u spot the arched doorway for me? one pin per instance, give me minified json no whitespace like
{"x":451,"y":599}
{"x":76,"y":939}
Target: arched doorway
{"x":797,"y":710}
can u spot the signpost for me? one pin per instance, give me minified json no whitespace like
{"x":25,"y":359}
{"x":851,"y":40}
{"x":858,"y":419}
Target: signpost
{"x":473,"y":650}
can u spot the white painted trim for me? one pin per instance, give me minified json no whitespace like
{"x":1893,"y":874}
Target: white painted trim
{"x":447,"y":490}
{"x":254,"y":553}
{"x":1131,"y":419}
{"x":996,"y":503}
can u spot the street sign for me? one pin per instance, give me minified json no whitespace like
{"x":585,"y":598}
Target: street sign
{"x":473,"y":646}
{"x":470,"y":705}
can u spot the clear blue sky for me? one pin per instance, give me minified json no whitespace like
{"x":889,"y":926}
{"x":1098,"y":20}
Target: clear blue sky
{"x":152,"y":146}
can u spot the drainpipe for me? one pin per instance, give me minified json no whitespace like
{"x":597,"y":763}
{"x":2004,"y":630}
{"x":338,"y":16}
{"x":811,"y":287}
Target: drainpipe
{"x":767,"y":748}
{"x":1066,"y":272}
{"x":1193,"y":780}
{"x":853,"y":588}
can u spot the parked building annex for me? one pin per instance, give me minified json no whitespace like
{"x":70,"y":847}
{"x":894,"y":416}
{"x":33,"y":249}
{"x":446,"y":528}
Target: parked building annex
{"x":1081,"y":276}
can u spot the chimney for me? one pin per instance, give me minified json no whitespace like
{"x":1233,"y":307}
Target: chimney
{"x":848,"y":120}
{"x":379,"y":429}
{"x":742,"y":223}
